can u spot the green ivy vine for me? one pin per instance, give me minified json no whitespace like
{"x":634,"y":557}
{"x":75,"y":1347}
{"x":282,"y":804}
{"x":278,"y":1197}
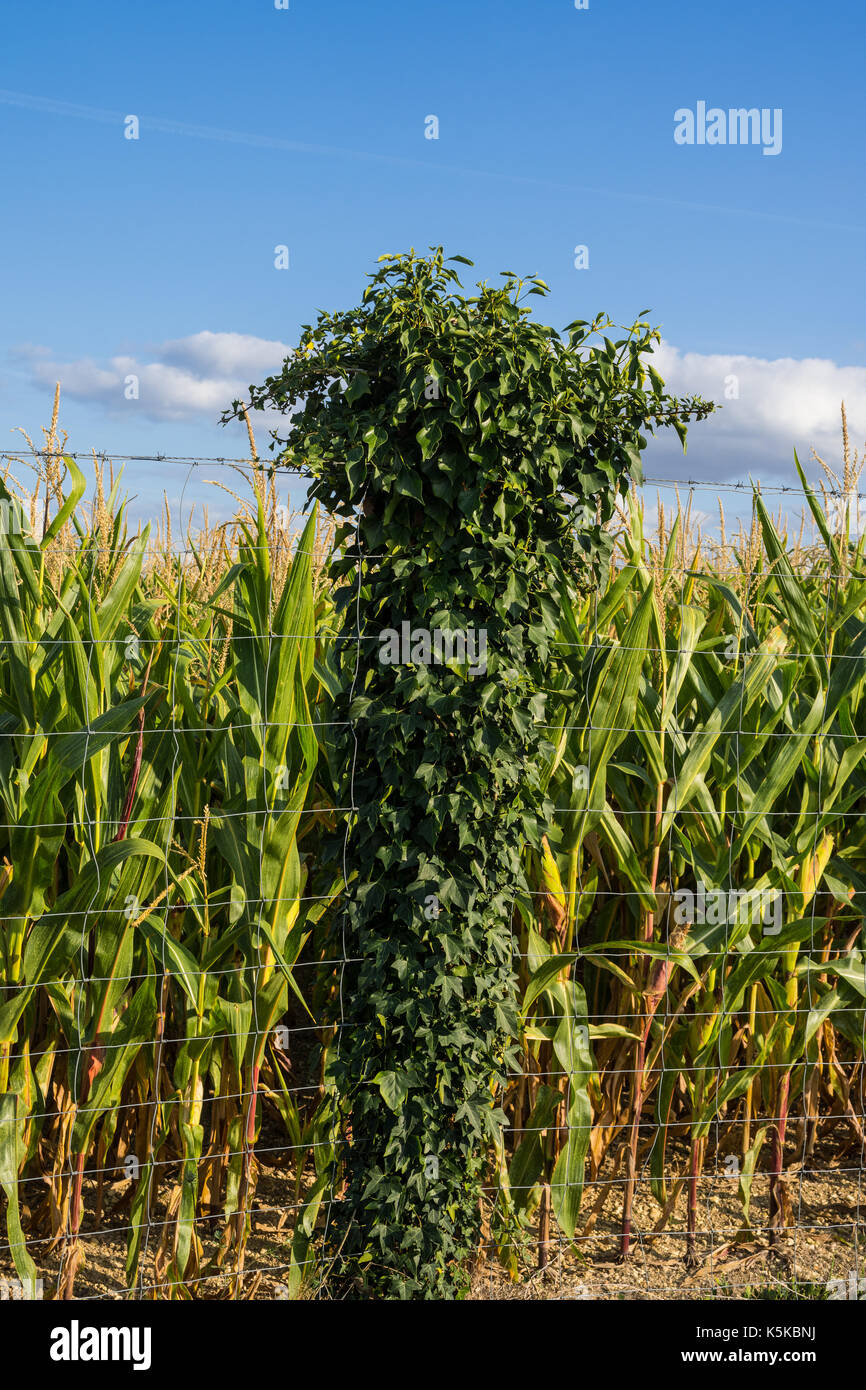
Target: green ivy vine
{"x":473,"y":457}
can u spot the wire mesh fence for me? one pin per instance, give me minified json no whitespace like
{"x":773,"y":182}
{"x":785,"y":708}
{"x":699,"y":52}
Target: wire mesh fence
{"x":684,"y":1108}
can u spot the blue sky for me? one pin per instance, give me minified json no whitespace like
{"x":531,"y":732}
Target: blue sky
{"x":305,"y":127}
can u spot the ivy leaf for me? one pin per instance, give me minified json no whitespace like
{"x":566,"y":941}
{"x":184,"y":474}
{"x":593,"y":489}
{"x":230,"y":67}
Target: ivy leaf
{"x":394,"y":1086}
{"x":409,"y":485}
{"x":358,"y":387}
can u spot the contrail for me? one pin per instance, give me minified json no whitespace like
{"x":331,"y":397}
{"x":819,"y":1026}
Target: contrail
{"x":160,"y":124}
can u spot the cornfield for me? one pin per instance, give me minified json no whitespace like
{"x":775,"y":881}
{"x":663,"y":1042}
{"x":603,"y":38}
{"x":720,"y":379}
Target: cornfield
{"x":170,"y":974}
{"x":717,"y":751}
{"x":159,"y":781}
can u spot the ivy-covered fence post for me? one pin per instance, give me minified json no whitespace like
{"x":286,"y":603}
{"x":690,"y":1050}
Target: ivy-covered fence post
{"x":473,"y":457}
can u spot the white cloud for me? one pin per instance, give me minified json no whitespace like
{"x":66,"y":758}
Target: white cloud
{"x":193,"y":378}
{"x":781,"y":404}
{"x":226,"y":354}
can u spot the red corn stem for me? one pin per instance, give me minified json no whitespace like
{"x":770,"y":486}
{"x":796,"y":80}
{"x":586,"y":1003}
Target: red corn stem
{"x":96,"y":1058}
{"x":778,"y":1156}
{"x":653,"y":995}
{"x":251,"y":1119}
{"x":544,"y":1228}
{"x":631,"y":1167}
{"x":694,"y":1166}
{"x":126,"y":813}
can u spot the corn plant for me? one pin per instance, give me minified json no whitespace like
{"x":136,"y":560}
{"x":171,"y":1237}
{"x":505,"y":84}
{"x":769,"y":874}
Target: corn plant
{"x":159,"y":752}
{"x":706,"y":745}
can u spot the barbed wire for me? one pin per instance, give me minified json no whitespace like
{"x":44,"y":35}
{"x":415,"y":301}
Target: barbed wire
{"x":275,"y":466}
